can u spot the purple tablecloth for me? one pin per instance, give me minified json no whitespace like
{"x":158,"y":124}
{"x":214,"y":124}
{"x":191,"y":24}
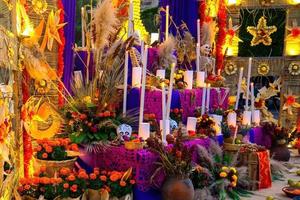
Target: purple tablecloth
{"x":257,"y":136}
{"x":186,"y":99}
{"x":142,"y":162}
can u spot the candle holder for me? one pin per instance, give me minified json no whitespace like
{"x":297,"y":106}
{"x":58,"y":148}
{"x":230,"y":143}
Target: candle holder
{"x":144,"y":131}
{"x":136,"y":77}
{"x":161,"y":73}
{"x":231,"y":119}
{"x":188,"y":78}
{"x":246,"y":118}
{"x":191,"y":124}
{"x":200,"y":79}
{"x":167,"y":126}
{"x":256,"y":117}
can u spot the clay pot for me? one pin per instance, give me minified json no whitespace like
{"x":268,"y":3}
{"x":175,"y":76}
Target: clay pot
{"x":281,"y":153}
{"x":178,"y":189}
{"x":94,"y":194}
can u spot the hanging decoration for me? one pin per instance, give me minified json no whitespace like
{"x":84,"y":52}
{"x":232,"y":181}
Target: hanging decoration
{"x":294,"y":68}
{"x":293,"y":40}
{"x":232,"y":40}
{"x":24,"y":25}
{"x":266,"y":2}
{"x":221,"y":34}
{"x":39,"y":6}
{"x":261,"y":33}
{"x":230,"y":68}
{"x":290,"y":103}
{"x":263,"y":69}
{"x":42,"y":86}
{"x":52,"y":30}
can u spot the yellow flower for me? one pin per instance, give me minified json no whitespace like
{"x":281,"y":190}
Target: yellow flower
{"x":178,"y":76}
{"x":234,"y":177}
{"x":233,"y":184}
{"x":223,"y":174}
{"x":233,"y":169}
{"x":87,"y":99}
{"x":224,"y":169}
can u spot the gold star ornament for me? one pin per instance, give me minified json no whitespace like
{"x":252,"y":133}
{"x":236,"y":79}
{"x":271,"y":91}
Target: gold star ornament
{"x":261,"y":33}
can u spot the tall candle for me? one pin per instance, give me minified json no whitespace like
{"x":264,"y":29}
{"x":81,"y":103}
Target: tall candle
{"x":167,"y":21}
{"x":188,"y":78}
{"x":165,"y":129}
{"x":144,"y":130}
{"x":203,"y":100}
{"x":239,"y":88}
{"x":246,"y":118}
{"x":130,"y":19}
{"x":198,"y":57}
{"x":191,"y":124}
{"x":82,"y":27}
{"x":256,"y":117}
{"x":142,"y":101}
{"x":252,"y":96}
{"x":163,"y":93}
{"x":208,"y":97}
{"x":198,"y":32}
{"x":200,"y":79}
{"x":231,"y":119}
{"x":170,"y":90}
{"x":125,"y":83}
{"x":248,"y":82}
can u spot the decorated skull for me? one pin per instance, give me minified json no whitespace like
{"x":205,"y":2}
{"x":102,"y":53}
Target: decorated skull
{"x":173,"y":124}
{"x":205,"y":49}
{"x":124,"y":130}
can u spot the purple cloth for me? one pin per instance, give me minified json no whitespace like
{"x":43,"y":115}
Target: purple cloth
{"x":142,"y":162}
{"x":186,"y":99}
{"x":69,"y":31}
{"x":81,"y":58}
{"x":258,"y":137}
{"x":180,"y":10}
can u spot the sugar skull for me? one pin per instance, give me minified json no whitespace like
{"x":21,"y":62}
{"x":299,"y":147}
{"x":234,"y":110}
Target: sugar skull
{"x":124,"y":130}
{"x":173,"y":124}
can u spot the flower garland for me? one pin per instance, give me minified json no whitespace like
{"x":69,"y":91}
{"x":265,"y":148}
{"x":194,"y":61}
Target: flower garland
{"x":222,"y":16}
{"x":201,"y":11}
{"x":61,"y":48}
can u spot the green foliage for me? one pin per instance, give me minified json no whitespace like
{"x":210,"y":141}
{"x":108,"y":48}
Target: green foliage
{"x":149,"y":19}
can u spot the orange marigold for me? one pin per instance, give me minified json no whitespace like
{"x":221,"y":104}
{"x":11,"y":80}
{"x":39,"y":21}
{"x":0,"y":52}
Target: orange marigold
{"x":71,"y":177}
{"x":74,"y":188}
{"x":44,"y":155}
{"x":114,"y":177}
{"x":66,"y":185}
{"x":122,"y":183}
{"x":132,"y":181}
{"x":64,"y":171}
{"x":27,"y":187}
{"x":93,"y":176}
{"x":43,"y":169}
{"x":103,"y":178}
{"x":39,"y":148}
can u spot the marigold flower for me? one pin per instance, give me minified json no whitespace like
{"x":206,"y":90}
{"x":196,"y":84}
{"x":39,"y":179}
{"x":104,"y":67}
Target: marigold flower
{"x":39,"y":148}
{"x":103,"y":178}
{"x":59,"y":180}
{"x":66,"y":185}
{"x":114,"y":177}
{"x":43,"y":169}
{"x":233,"y":170}
{"x":74,"y":147}
{"x":223,"y":174}
{"x":74,"y":188}
{"x":36,"y":180}
{"x":23,"y":181}
{"x":122,"y":183}
{"x":27,"y":187}
{"x":45,"y":180}
{"x":64,"y":171}
{"x":132,"y":182}
{"x":97,"y":171}
{"x":44,"y":155}
{"x":93,"y":176}
{"x":234,"y":177}
{"x":224,"y":169}
{"x":71,"y":177}
{"x":83,"y":175}
{"x":233,"y":184}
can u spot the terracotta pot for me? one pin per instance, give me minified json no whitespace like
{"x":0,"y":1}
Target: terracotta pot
{"x":178,"y":189}
{"x":94,"y":194}
{"x":126,"y":197}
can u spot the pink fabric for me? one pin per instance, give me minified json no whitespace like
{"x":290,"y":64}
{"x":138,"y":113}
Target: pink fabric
{"x":142,"y":161}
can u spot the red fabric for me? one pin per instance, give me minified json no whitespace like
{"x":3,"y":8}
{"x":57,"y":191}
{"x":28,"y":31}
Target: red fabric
{"x":201,"y":11}
{"x":222,"y":15}
{"x":27,"y":146}
{"x":61,"y":48}
{"x":265,"y":180}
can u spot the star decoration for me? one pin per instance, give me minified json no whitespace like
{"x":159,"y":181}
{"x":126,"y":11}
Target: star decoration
{"x":261,"y":33}
{"x":52,"y":28}
{"x":294,"y":31}
{"x":290,"y":103}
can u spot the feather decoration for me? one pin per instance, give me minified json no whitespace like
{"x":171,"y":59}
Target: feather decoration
{"x":104,"y":22}
{"x":165,"y":52}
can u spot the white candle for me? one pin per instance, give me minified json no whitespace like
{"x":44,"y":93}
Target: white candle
{"x":144,"y":130}
{"x":170,"y":91}
{"x":248,"y":82}
{"x":198,"y":57}
{"x":235,"y":134}
{"x":219,"y":72}
{"x":231,"y":119}
{"x":167,"y":21}
{"x":142,"y":101}
{"x":239,"y":88}
{"x":198,"y":32}
{"x":136,"y":77}
{"x":252,"y":97}
{"x":208,"y":97}
{"x":256,"y":117}
{"x":218,"y":119}
{"x":125,"y":83}
{"x":164,"y":128}
{"x":130,"y":19}
{"x":200,"y":79}
{"x":246,"y":118}
{"x":191,"y":124}
{"x":188,"y":78}
{"x":161,"y":73}
{"x":163,"y":102}
{"x":203,"y":100}
{"x":82,"y":27}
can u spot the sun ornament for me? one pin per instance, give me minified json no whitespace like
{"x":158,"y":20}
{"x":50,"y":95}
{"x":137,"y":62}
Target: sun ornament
{"x":294,"y":68}
{"x":261,"y":33}
{"x":230,"y":68}
{"x":263,"y":69}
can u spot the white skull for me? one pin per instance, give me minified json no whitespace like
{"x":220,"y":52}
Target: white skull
{"x":205,"y":49}
{"x":124,"y":130}
{"x":173,"y":124}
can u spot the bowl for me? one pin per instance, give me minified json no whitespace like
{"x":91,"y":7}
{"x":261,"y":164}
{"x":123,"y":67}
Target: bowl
{"x":291,"y":191}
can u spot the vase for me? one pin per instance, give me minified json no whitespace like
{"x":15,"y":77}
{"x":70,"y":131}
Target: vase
{"x":126,"y":197}
{"x":53,"y":166}
{"x":178,"y":189}
{"x":94,"y":194}
{"x":281,"y":153}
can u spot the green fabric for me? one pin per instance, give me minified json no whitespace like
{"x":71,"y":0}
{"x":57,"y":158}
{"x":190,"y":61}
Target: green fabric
{"x":250,"y":17}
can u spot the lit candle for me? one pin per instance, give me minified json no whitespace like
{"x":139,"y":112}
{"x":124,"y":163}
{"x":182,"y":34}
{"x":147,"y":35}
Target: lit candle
{"x":203,"y":100}
{"x":252,"y":97}
{"x":246,"y":118}
{"x":256,"y":117}
{"x":200,"y":79}
{"x":208,"y":97}
{"x":136,"y":77}
{"x":163,"y":102}
{"x":82,"y":27}
{"x":161,"y":73}
{"x":144,"y":130}
{"x":130,"y":19}
{"x":248,"y":82}
{"x":198,"y":57}
{"x":239,"y":88}
{"x":170,"y":90}
{"x":167,"y":21}
{"x":125,"y":83}
{"x":165,"y":129}
{"x":198,"y":32}
{"x":231,"y":119}
{"x":191,"y":124}
{"x":142,"y":101}
{"x":188,"y":78}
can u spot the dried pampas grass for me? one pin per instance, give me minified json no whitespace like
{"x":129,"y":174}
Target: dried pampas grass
{"x":165,"y":52}
{"x":104,"y":22}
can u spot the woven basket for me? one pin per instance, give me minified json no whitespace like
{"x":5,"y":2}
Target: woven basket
{"x":54,"y":166}
{"x":232,"y":147}
{"x":133,"y":145}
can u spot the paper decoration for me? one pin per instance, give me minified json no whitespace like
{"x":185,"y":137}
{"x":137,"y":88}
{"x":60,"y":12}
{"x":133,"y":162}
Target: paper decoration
{"x":144,"y":131}
{"x":39,"y":6}
{"x":188,"y":78}
{"x":191,"y":124}
{"x":124,"y":130}
{"x":51,"y":32}
{"x":294,"y":31}
{"x":230,"y":68}
{"x":294,"y":68}
{"x":263,"y":69}
{"x":261,"y":33}
{"x":290,"y":103}
{"x":136,"y":77}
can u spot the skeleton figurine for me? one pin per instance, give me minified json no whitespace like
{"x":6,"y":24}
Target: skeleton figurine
{"x":124,"y":130}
